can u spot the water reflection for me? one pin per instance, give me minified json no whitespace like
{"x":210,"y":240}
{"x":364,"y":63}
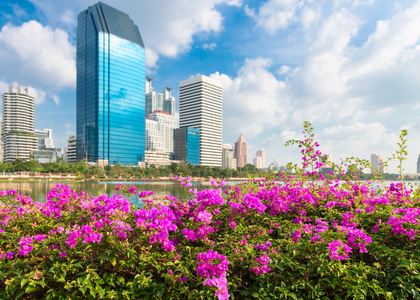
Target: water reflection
{"x":38,"y":189}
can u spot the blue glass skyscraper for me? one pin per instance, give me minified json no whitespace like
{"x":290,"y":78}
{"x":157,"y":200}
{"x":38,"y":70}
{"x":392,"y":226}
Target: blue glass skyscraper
{"x":110,"y":87}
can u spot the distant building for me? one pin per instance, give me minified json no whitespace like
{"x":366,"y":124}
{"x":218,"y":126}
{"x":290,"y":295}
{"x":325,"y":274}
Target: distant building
{"x":154,"y":141}
{"x":241,"y":152}
{"x":157,"y":158}
{"x":1,"y":142}
{"x":228,"y":162}
{"x":376,"y":163}
{"x":259,"y":160}
{"x":48,"y":155}
{"x":418,"y":164}
{"x":45,"y":139}
{"x":200,"y":106}
{"x":110,"y":87}
{"x":18,"y":125}
{"x":166,"y":124}
{"x":155,"y":101}
{"x":187,"y":145}
{"x":273,"y":166}
{"x":71,"y":149}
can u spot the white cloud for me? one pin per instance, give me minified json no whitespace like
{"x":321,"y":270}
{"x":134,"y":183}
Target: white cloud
{"x":255,"y":100}
{"x":209,"y":46}
{"x":284,"y":70}
{"x":38,"y":55}
{"x":167,"y":27}
{"x":275,"y":14}
{"x":56,"y":99}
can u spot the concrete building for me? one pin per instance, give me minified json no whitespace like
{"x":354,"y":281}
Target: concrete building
{"x":156,"y":101}
{"x":200,"y":106}
{"x":273,"y":166}
{"x":241,"y":152}
{"x":154,"y":141}
{"x":228,"y":162}
{"x":418,"y":164}
{"x":187,"y":145}
{"x":166,"y":124}
{"x":70,"y":154}
{"x":328,"y":164}
{"x":259,"y":160}
{"x":18,"y":125}
{"x":45,"y":139}
{"x":110,"y":87}
{"x":48,"y":155}
{"x":376,"y":163}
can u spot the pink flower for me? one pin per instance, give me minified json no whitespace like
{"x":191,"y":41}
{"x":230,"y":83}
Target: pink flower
{"x":62,"y":254}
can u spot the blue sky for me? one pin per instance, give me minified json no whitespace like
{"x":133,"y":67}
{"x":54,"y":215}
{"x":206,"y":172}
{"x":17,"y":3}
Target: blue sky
{"x":350,"y":67}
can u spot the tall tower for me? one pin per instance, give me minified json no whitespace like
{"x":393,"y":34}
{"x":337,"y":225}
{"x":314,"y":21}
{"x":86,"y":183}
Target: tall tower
{"x":18,"y":125}
{"x":376,"y":163}
{"x":259,"y":160}
{"x":241,"y":152}
{"x":200,"y":106}
{"x":110,"y":87}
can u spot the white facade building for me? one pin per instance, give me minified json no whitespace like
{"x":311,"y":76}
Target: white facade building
{"x":228,"y":162}
{"x":156,"y":101}
{"x":376,"y":163}
{"x":154,"y":141}
{"x":18,"y":125}
{"x":45,"y":139}
{"x":166,"y":124}
{"x":71,"y":149}
{"x":259,"y":160}
{"x":200,"y":106}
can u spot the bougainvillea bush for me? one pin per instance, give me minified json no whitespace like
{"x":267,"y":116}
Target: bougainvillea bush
{"x":281,"y":237}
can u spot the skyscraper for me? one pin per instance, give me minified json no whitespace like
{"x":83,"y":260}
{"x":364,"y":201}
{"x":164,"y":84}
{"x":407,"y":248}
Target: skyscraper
{"x":166,"y":125}
{"x":376,"y":163}
{"x":154,"y":101}
{"x":259,"y":160}
{"x":241,"y":152}
{"x":418,"y":164}
{"x":200,"y":106}
{"x":110,"y":87}
{"x":187,"y":145}
{"x":228,"y":162}
{"x":18,"y":125}
{"x":45,"y":139}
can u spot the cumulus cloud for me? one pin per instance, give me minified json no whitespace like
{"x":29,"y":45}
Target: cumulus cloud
{"x":273,"y":15}
{"x":254,"y":100}
{"x":39,"y":55}
{"x":56,"y":99}
{"x":209,"y":46}
{"x":167,"y":28}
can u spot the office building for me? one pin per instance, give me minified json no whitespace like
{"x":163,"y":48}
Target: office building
{"x":154,"y":141}
{"x":48,"y":155}
{"x":241,"y":152}
{"x":70,"y":153}
{"x":376,"y":163}
{"x":45,"y":139}
{"x":110,"y":87}
{"x":418,"y":164}
{"x":228,"y":162}
{"x":166,"y":125}
{"x":187,"y":145}
{"x":328,"y":164}
{"x":1,"y":142}
{"x":18,"y":125}
{"x":200,"y":106}
{"x":273,"y":166}
{"x":259,"y":160}
{"x":156,"y":101}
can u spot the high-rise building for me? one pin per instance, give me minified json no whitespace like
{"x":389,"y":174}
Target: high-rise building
{"x":327,"y":162}
{"x":45,"y":139}
{"x":166,"y":125}
{"x":228,"y":162}
{"x":418,"y":164}
{"x":110,"y":87}
{"x":187,"y":145}
{"x":376,"y":163}
{"x":259,"y":160}
{"x":70,"y":153}
{"x":154,"y":140}
{"x":241,"y":152}
{"x":18,"y":125}
{"x":1,"y":141}
{"x":200,"y":106}
{"x":154,"y":101}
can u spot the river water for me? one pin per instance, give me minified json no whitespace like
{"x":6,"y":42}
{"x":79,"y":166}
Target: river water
{"x":39,"y":189}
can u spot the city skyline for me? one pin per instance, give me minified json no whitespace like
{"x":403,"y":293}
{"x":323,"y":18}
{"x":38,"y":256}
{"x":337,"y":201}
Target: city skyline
{"x":348,"y":67}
